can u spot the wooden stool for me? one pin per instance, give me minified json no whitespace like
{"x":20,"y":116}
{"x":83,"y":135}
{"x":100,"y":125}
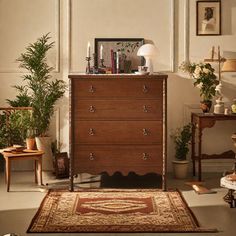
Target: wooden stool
{"x":26,"y":155}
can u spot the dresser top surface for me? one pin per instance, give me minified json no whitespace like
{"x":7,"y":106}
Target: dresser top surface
{"x":118,"y":76}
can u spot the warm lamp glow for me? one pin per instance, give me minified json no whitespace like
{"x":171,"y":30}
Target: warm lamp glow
{"x":229,"y":66}
{"x":148,"y":51}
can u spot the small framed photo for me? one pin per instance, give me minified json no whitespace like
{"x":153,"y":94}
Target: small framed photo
{"x":119,"y":54}
{"x":61,"y":165}
{"x":208,"y":18}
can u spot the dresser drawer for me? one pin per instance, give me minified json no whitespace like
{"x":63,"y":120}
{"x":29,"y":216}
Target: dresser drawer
{"x":122,"y":158}
{"x":118,"y":132}
{"x":117,"y":88}
{"x":118,"y":109}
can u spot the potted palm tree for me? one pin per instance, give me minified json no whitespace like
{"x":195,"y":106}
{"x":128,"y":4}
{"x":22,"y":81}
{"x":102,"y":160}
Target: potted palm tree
{"x":40,"y":91}
{"x":182,"y":138}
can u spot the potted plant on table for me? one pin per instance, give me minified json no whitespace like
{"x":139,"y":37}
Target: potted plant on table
{"x":182,"y":137}
{"x":40,"y":90}
{"x":204,"y":79}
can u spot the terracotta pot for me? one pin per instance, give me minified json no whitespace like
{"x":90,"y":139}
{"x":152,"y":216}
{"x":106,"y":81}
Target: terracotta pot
{"x":206,"y":106}
{"x":30,"y":143}
{"x":44,"y":144}
{"x":180,"y":169}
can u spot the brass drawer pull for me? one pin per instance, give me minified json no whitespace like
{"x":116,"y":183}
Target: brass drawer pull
{"x":145,"y":89}
{"x":91,"y":132}
{"x":91,"y":156}
{"x":91,"y":109}
{"x":145,"y":132}
{"x":145,"y":109}
{"x":91,"y":89}
{"x":145,"y":156}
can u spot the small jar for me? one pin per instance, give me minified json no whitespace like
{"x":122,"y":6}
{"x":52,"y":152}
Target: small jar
{"x":233,"y":106}
{"x":219,"y":107}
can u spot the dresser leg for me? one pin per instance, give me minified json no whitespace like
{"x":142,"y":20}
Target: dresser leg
{"x":71,"y":189}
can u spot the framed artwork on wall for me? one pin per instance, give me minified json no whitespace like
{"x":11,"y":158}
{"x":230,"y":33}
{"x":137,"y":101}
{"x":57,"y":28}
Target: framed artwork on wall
{"x":119,"y":54}
{"x":208,"y":18}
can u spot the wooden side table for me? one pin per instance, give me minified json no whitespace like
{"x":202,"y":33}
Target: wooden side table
{"x":27,"y":155}
{"x":201,"y":121}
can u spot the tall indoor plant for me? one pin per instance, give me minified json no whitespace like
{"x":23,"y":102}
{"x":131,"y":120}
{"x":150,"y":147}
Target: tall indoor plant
{"x":182,"y":137}
{"x":40,"y":91}
{"x":204,"y":79}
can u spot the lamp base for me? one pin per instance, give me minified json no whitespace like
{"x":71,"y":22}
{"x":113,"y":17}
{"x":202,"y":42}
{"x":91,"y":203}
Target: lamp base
{"x":149,"y":65}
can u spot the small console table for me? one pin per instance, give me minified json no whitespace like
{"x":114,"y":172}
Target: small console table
{"x":201,"y":121}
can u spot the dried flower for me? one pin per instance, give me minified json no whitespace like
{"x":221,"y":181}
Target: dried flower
{"x":204,"y":78}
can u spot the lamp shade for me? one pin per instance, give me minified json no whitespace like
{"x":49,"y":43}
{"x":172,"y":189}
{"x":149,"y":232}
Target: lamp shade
{"x":147,"y":50}
{"x":229,"y":66}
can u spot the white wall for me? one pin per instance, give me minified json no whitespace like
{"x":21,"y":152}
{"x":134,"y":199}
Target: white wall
{"x":73,"y":23}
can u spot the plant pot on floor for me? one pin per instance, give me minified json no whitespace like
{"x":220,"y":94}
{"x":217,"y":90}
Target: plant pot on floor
{"x":44,"y":144}
{"x":180,"y":169}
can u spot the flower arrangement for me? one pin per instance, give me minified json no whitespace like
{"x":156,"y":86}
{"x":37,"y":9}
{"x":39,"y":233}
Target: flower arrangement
{"x":204,"y":78}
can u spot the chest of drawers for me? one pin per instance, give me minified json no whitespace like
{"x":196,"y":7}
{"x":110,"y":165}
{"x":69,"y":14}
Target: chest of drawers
{"x":118,"y":123}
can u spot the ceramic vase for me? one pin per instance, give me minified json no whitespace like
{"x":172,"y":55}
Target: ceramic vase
{"x":44,"y":144}
{"x":206,"y":106}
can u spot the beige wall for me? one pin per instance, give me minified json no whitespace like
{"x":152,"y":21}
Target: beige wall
{"x":73,"y":23}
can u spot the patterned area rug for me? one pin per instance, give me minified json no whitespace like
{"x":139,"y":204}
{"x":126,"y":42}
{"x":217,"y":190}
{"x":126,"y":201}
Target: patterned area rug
{"x":114,"y":210}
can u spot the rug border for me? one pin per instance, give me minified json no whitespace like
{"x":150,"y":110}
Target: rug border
{"x":200,"y":229}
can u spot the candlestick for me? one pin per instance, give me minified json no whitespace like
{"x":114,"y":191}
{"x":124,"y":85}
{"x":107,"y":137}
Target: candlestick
{"x":213,"y":53}
{"x":219,"y":53}
{"x":88,"y":49}
{"x":101,"y":52}
{"x":88,"y":69}
{"x":117,"y":62}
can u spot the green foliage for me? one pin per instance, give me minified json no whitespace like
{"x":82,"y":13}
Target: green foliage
{"x":14,"y":129}
{"x":40,"y":91}
{"x":182,"y":138}
{"x":22,"y":99}
{"x":204,"y":78}
{"x":4,"y":134}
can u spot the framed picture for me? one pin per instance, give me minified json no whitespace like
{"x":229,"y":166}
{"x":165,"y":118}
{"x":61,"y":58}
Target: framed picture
{"x":118,"y":54}
{"x":208,"y":18}
{"x":61,"y":165}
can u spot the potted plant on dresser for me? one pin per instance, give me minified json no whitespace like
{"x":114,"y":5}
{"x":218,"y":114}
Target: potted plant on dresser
{"x":182,"y":138}
{"x":42,"y":92}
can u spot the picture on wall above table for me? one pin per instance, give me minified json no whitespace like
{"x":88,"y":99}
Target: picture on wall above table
{"x":208,"y":18}
{"x":119,"y":54}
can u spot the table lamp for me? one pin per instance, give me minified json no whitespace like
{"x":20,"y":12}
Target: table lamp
{"x":148,"y":51}
{"x":229,"y":65}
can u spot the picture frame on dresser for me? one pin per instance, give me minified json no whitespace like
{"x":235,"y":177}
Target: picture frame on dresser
{"x":208,"y":18}
{"x":107,"y":50}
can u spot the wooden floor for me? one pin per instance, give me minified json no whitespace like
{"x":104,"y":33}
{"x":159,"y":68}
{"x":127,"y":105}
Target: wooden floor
{"x":19,"y":205}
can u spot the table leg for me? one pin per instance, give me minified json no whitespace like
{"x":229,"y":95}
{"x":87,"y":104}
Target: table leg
{"x":193,"y":145}
{"x":36,"y":171}
{"x":199,"y":154}
{"x":8,"y":173}
{"x":40,"y":170}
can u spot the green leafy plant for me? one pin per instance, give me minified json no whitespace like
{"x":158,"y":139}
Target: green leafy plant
{"x":40,"y":91}
{"x":204,"y":78}
{"x":182,"y":137}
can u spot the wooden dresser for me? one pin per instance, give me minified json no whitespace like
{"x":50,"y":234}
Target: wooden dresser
{"x":118,"y":123}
